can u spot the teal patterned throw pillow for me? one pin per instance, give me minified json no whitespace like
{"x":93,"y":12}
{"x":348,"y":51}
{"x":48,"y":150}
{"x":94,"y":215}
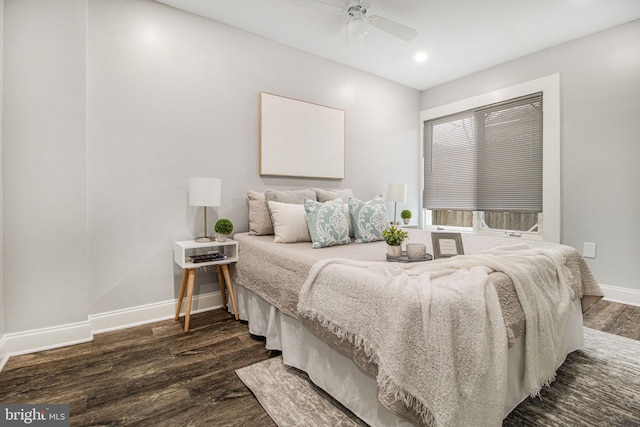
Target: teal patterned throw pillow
{"x":368,"y":219}
{"x":328,"y":223}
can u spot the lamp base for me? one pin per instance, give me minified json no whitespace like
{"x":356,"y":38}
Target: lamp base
{"x":203,"y":239}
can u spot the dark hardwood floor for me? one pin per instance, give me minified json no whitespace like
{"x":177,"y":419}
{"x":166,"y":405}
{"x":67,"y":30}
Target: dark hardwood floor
{"x":618,"y":319}
{"x":157,"y":375}
{"x":153,"y":374}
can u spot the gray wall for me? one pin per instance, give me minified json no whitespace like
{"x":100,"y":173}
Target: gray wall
{"x":600,"y":91}
{"x":44,"y":191}
{"x":168,"y":96}
{"x":2,"y":309}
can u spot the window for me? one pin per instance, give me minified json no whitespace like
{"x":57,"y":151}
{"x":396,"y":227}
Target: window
{"x":492,"y":167}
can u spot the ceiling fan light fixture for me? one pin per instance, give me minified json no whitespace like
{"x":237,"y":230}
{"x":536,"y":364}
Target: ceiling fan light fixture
{"x":357,"y":26}
{"x":359,"y":22}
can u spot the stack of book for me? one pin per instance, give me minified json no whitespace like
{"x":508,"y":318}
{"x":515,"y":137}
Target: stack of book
{"x":207,"y":258}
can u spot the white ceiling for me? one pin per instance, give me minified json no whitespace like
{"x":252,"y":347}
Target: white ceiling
{"x":459,"y":36}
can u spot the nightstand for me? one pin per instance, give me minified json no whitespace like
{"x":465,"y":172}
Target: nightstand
{"x":227,"y":253}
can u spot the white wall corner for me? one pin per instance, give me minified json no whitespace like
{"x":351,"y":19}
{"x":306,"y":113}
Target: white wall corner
{"x":14,"y":344}
{"x":4,"y":357}
{"x":621,"y":295}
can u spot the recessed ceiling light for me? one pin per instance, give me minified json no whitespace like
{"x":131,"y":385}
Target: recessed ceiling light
{"x":420,"y":57}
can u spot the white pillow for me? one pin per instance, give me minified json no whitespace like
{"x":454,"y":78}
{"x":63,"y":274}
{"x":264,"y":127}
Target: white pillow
{"x":289,"y":222}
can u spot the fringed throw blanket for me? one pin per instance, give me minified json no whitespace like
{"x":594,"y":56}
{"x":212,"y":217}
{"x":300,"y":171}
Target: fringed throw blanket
{"x":433,"y":333}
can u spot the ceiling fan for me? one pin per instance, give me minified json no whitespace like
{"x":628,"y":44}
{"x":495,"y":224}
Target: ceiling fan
{"x":359,"y":21}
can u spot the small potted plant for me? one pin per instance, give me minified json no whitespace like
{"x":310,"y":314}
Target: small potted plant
{"x":406,"y":216}
{"x":394,"y":238}
{"x":223,"y":228}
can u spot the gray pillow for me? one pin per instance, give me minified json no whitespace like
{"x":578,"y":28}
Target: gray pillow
{"x":259,"y":218}
{"x":289,"y":196}
{"x":326,"y":195}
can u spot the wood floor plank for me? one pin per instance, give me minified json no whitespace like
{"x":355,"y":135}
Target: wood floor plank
{"x":626,"y":323}
{"x":614,"y":318}
{"x":143,"y":407}
{"x":158,"y":375}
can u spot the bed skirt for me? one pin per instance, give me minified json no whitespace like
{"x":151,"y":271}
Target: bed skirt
{"x":339,"y":376}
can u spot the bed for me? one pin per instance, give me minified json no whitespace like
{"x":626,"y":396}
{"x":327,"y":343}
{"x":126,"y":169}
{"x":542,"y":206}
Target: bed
{"x":270,"y":276}
{"x":444,"y":342}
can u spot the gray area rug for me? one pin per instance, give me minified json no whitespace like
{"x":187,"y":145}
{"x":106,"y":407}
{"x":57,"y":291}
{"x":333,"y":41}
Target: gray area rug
{"x":597,"y":386}
{"x":291,"y":399}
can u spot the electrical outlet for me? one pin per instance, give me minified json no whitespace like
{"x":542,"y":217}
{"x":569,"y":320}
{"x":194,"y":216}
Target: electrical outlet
{"x":589,"y":250}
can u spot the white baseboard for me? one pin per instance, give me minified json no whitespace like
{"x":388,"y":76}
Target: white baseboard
{"x":14,"y":344}
{"x":4,"y":357}
{"x":149,"y":313}
{"x":621,"y":295}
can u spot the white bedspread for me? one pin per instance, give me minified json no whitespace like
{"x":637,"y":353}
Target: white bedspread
{"x":435,"y":332}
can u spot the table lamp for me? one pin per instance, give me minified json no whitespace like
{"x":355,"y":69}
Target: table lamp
{"x":396,"y":193}
{"x":204,"y":192}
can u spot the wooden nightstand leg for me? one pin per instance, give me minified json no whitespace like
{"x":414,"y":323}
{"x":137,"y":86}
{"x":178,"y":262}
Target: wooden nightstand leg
{"x":227,"y":279}
{"x":183,"y":286}
{"x":221,"y":282}
{"x":192,"y":277}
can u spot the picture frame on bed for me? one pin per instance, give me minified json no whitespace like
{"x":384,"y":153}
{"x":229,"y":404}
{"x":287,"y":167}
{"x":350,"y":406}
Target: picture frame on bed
{"x":446,"y":245}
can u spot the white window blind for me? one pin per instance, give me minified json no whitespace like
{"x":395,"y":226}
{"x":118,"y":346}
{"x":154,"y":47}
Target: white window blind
{"x":450,"y":162}
{"x":488,"y":159}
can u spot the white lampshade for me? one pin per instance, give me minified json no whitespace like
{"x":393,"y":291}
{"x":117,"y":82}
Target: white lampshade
{"x":204,"y":191}
{"x":396,"y":192}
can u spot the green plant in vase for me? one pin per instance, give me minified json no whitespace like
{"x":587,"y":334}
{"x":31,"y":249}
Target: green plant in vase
{"x":406,"y":216}
{"x":394,"y":238}
{"x":223,"y":228}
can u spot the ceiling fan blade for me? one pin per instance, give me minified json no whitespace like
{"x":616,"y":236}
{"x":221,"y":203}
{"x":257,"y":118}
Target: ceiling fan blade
{"x":394,"y":28}
{"x":331,"y":7}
